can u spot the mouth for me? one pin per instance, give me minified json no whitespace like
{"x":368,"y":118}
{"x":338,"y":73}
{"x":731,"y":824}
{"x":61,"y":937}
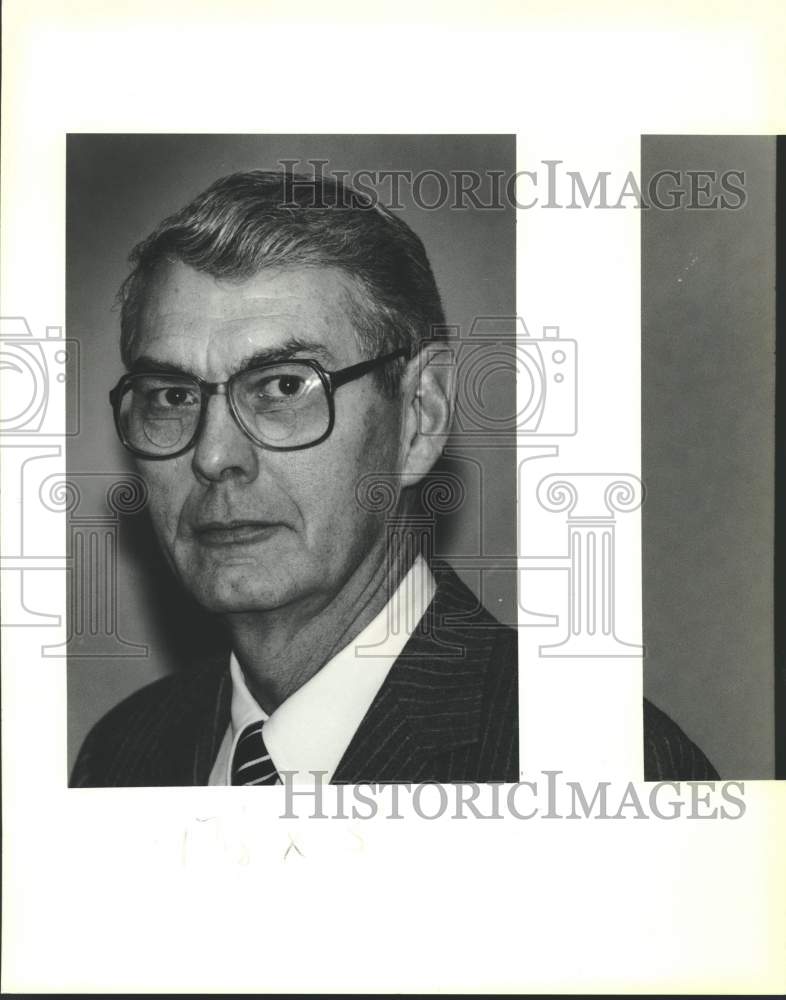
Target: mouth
{"x":221,"y":533}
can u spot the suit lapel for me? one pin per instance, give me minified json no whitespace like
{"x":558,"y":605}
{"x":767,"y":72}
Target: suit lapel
{"x":212,"y":733}
{"x":429,"y":704}
{"x":189,"y":730}
{"x":431,"y":701}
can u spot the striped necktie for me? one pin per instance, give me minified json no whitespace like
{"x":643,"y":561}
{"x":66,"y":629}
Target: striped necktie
{"x":251,"y":763}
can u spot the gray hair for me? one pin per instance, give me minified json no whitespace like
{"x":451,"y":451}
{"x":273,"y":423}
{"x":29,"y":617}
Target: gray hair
{"x":249,"y":221}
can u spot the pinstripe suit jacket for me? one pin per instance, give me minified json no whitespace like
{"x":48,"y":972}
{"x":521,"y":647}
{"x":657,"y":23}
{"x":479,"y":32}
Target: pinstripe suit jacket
{"x":447,"y":711}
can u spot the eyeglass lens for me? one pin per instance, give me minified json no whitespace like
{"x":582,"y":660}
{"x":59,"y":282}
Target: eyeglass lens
{"x":284,"y":406}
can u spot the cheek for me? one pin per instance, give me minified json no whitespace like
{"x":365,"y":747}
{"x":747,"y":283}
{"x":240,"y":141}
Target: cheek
{"x":337,"y":493}
{"x":167,"y":484}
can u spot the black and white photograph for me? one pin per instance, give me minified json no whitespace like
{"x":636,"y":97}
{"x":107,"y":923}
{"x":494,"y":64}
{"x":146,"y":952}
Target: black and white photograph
{"x":322,"y":601}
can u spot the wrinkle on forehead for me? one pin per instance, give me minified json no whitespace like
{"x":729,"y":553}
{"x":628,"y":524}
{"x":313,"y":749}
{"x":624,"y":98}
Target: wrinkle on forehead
{"x":210,"y":324}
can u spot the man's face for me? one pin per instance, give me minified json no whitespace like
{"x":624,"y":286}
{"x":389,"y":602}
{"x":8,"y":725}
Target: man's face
{"x":245,"y":528}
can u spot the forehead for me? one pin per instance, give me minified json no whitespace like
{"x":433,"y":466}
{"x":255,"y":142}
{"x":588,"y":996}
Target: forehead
{"x":210,"y":325}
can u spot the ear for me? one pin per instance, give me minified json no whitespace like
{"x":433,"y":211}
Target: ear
{"x":427,"y":388}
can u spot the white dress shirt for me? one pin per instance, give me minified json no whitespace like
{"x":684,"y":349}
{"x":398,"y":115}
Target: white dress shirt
{"x":311,"y":730}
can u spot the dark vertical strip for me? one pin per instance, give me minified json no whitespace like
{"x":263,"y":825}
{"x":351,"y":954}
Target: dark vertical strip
{"x":644,"y":167}
{"x":780,"y":460}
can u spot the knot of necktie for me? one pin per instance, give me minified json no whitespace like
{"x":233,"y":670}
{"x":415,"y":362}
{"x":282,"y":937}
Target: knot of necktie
{"x":251,"y":763}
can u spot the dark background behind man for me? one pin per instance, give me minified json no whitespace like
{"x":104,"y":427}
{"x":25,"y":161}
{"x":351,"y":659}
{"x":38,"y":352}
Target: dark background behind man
{"x":119,"y":187}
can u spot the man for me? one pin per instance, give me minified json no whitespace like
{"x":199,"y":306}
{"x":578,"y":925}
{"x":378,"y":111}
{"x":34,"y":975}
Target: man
{"x":277,"y":333}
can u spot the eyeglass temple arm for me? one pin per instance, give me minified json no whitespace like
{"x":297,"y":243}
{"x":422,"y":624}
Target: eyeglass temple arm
{"x":356,"y":371}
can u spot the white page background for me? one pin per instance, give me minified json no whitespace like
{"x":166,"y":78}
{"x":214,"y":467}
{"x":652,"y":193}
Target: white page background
{"x":200,"y":890}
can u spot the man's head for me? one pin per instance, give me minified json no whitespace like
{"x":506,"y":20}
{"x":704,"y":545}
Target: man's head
{"x":265,"y":219}
{"x":266,"y":266}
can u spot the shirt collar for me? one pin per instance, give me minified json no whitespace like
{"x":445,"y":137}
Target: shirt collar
{"x":311,"y":729}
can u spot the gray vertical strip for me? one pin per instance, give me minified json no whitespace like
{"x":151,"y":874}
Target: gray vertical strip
{"x":779,"y":636}
{"x":708,"y":329}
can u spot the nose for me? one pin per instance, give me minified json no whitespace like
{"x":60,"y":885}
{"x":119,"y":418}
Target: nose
{"x":222,"y":450}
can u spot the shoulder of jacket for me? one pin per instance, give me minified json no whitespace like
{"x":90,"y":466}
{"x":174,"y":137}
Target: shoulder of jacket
{"x":153,"y":698}
{"x":150,"y":710}
{"x":669,"y":754}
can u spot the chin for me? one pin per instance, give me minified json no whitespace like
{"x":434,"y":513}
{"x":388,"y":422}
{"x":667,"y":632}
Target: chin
{"x":223,"y":594}
{"x":223,"y":602}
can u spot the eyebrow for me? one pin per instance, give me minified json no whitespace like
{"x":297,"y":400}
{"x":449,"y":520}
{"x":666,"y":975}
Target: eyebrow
{"x":293,"y":348}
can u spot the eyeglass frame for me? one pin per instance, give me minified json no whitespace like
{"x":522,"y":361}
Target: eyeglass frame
{"x":330,"y":382}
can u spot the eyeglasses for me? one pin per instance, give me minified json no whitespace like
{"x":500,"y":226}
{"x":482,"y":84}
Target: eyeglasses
{"x":281,"y":405}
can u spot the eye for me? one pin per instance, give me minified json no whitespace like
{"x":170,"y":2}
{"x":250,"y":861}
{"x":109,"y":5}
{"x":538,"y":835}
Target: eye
{"x":174,"y":397}
{"x":284,"y":385}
